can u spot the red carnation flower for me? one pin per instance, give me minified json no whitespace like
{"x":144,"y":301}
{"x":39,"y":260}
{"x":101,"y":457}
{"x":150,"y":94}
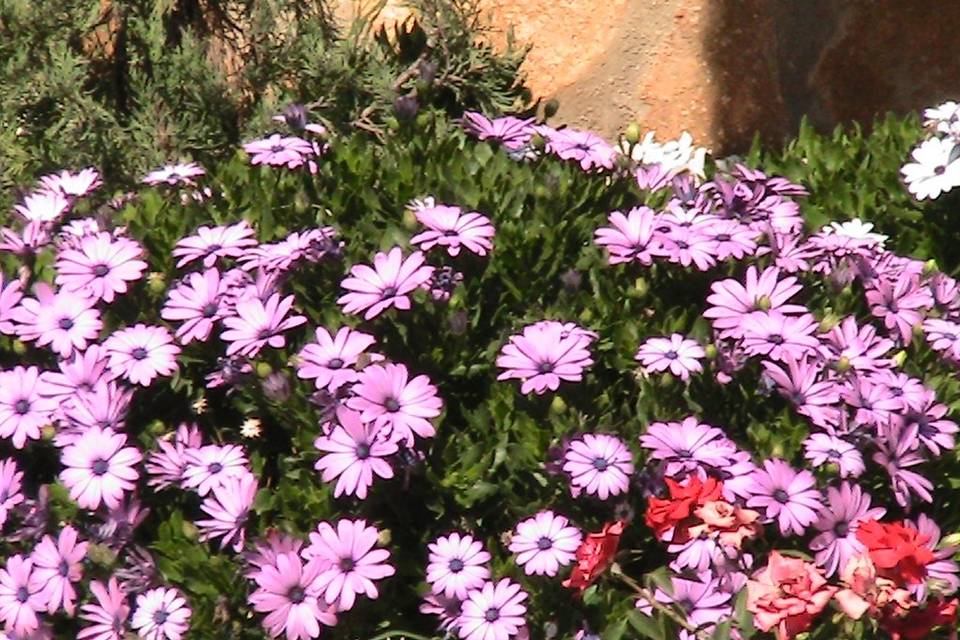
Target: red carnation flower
{"x":664,"y":514}
{"x":898,"y":550}
{"x":918,"y":623}
{"x":594,"y":555}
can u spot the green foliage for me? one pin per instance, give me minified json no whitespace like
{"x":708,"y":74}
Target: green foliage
{"x":128,"y":85}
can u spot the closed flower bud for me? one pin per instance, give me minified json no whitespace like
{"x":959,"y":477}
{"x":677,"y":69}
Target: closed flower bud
{"x":557,"y":405}
{"x":763,"y":303}
{"x":930,"y":267}
{"x":156,"y":282}
{"x":829,"y":322}
{"x":899,"y":358}
{"x":537,"y":142}
{"x":409,"y":220}
{"x":571,"y":280}
{"x":843,"y":364}
{"x":406,"y":108}
{"x":632,"y":134}
{"x":19,"y":347}
{"x":48,"y":432}
{"x":276,"y":387}
{"x":666,"y":380}
{"x":190,"y":530}
{"x":711,"y":351}
{"x":640,"y":288}
{"x":384,"y":538}
{"x":100,"y":554}
{"x":458,"y":323}
{"x":551,"y":107}
{"x":263,"y":369}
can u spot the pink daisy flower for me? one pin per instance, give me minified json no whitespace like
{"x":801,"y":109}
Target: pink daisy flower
{"x":311,"y":245}
{"x":351,"y":562}
{"x":279,"y":151}
{"x":599,"y":464}
{"x":354,"y":455}
{"x":544,"y":543}
{"x":73,"y":185}
{"x":790,"y":497}
{"x":210,"y":466}
{"x":65,"y":320}
{"x":676,"y":353}
{"x":258,"y":324}
{"x":228,"y":506}
{"x":900,"y":303}
{"x":100,"y":265}
{"x":175,"y":174}
{"x":21,"y":596}
{"x":493,"y":612}
{"x":58,"y":564}
{"x":457,"y":564}
{"x":45,"y":205}
{"x":586,"y":148}
{"x":731,"y":300}
{"x":99,"y":469}
{"x":27,"y":242}
{"x":10,"y":486}
{"x":733,"y":239}
{"x":287,"y":592}
{"x":25,"y":405}
{"x":386,"y":284}
{"x":212,"y":243}
{"x":543,"y":355}
{"x":778,"y":336}
{"x":513,"y":133}
{"x":10,"y":296}
{"x":267,"y":549}
{"x":386,"y":396}
{"x":108,"y":617}
{"x":161,"y":614}
{"x":821,"y":449}
{"x":166,"y":466}
{"x":141,"y":353}
{"x":630,"y":237}
{"x":197,"y":303}
{"x":450,"y":227}
{"x":106,"y":405}
{"x":447,"y":610}
{"x":330,"y":361}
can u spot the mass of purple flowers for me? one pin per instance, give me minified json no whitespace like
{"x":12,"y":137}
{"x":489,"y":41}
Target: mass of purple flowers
{"x":73,"y":396}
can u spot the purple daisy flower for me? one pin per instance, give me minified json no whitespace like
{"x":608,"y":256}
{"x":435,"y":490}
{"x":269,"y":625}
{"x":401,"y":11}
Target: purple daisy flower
{"x":786,"y":495}
{"x":279,"y":151}
{"x":778,"y":336}
{"x":59,"y":564}
{"x":687,"y":445}
{"x":312,"y":245}
{"x":386,"y":284}
{"x":447,"y":610}
{"x":821,"y":449}
{"x":287,"y":593}
{"x":108,"y":617}
{"x":21,"y":596}
{"x":901,"y":303}
{"x":943,"y":336}
{"x":544,"y":354}
{"x":228,"y":506}
{"x":935,"y":432}
{"x":101,"y":265}
{"x":703,"y":602}
{"x":141,"y":353}
{"x":493,"y":612}
{"x":630,"y":237}
{"x":10,"y":488}
{"x":81,"y":372}
{"x":457,"y":564}
{"x":846,"y":507}
{"x":166,"y":466}
{"x":350,"y":560}
{"x":72,"y":185}
{"x":175,"y":175}
{"x":732,"y":300}
{"x":161,"y":614}
{"x":855,"y":347}
{"x":330,"y":361}
{"x":258,"y":324}
{"x":105,"y":405}
{"x":943,"y":568}
{"x":803,"y":384}
{"x":688,"y":245}
{"x":45,"y":205}
{"x":25,"y":404}
{"x":896,"y":453}
{"x":544,"y":543}
{"x":598,"y":464}
{"x":99,"y":469}
{"x":354,"y":455}
{"x":208,"y":467}
{"x":450,"y":227}
{"x":676,"y":353}
{"x":386,"y":396}
{"x":586,"y":148}
{"x":732,"y":239}
{"x":513,"y":133}
{"x":10,"y":296}
{"x":212,"y":243}
{"x":65,"y":320}
{"x":197,"y":303}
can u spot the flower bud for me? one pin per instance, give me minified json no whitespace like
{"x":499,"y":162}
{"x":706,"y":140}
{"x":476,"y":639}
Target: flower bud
{"x":632,"y":134}
{"x":406,"y":108}
{"x":295,"y":115}
{"x":952,"y":540}
{"x":930,"y":267}
{"x":537,"y":142}
{"x":557,"y":405}
{"x":190,"y":530}
{"x":100,"y":554}
{"x":899,"y":358}
{"x":550,"y":108}
{"x":19,"y":347}
{"x":843,"y":364}
{"x":48,"y":432}
{"x":384,"y":538}
{"x":828,"y":323}
{"x":711,"y":351}
{"x":571,"y":280}
{"x":458,"y":323}
{"x":156,"y":282}
{"x":763,"y":303}
{"x":276,"y":387}
{"x":640,"y":288}
{"x":409,"y":220}
{"x":263,"y":369}
{"x":666,"y":380}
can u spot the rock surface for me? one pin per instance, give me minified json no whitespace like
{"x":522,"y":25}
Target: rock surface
{"x":726,"y":70}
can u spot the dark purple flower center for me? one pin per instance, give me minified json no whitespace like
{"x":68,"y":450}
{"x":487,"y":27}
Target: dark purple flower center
{"x":65,"y":323}
{"x":670,"y":355}
{"x":335,"y":363}
{"x":449,"y":232}
{"x":63,"y":568}
{"x":682,"y":245}
{"x":940,"y":169}
{"x":363,"y":451}
{"x":775,"y":338}
{"x":798,"y":397}
{"x":950,"y":336}
{"x":391,"y":404}
{"x":277,"y":148}
{"x":22,"y":594}
{"x":683,"y":453}
{"x":214,"y":468}
{"x":600,"y":464}
{"x":492,"y":614}
{"x":296,"y":595}
{"x":100,"y":270}
{"x":263,"y":334}
{"x":781,"y":496}
{"x":99,"y":466}
{"x":841,"y":529}
{"x":209,"y":310}
{"x":213,"y":248}
{"x":347,"y":564}
{"x":139,"y":353}
{"x":545,"y":367}
{"x":456,"y":565}
{"x":160,"y":617}
{"x":389,"y":292}
{"x":723,"y":237}
{"x":893,"y":307}
{"x":833,"y":453}
{"x":687,"y":604}
{"x":22,"y":406}
{"x":544,"y":543}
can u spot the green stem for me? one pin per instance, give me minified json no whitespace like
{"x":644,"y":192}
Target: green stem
{"x":649,"y":598}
